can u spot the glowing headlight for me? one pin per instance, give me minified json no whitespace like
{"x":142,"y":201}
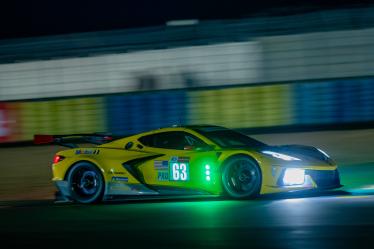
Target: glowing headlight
{"x":280,"y":155}
{"x":294,"y":177}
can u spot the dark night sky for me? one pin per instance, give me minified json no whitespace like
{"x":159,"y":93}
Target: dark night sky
{"x":32,"y":18}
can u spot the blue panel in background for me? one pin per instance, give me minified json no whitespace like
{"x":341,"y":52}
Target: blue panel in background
{"x":356,"y":100}
{"x":314,"y":103}
{"x":333,"y":102}
{"x":348,"y":98}
{"x":128,"y":114}
{"x":367,"y":100}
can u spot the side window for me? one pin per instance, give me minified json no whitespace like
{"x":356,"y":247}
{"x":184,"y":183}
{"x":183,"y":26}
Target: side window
{"x":194,"y":141}
{"x":170,"y":140}
{"x":147,"y":140}
{"x":175,"y":140}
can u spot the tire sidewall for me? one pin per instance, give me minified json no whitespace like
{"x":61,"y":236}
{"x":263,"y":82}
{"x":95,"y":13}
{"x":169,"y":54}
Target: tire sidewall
{"x":97,"y":197}
{"x":226,"y":166}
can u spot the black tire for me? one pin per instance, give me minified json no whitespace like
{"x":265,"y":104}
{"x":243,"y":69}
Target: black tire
{"x":241,"y":177}
{"x":86,"y":183}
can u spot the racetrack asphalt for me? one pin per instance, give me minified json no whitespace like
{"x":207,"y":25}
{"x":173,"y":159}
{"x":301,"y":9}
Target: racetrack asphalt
{"x":335,"y":219}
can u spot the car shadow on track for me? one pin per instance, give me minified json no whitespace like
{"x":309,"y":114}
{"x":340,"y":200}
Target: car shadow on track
{"x":268,"y":197}
{"x":305,"y":194}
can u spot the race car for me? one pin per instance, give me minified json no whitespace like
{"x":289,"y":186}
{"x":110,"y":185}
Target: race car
{"x":184,"y":161}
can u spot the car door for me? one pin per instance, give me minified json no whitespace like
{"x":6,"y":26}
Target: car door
{"x":182,"y":165}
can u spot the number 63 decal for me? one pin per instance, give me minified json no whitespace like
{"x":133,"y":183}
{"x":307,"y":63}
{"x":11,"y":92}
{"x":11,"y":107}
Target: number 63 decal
{"x":179,"y":171}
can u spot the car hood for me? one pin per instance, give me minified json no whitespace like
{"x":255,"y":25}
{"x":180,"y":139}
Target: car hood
{"x":302,"y":152}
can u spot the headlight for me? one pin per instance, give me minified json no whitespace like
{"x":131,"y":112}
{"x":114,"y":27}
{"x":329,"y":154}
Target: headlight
{"x":294,"y":177}
{"x":280,"y":155}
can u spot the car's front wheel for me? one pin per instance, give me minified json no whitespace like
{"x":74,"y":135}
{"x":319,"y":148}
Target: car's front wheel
{"x":86,"y":183}
{"x":241,"y":177}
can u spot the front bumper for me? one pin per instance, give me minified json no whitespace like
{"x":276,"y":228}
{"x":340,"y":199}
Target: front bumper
{"x":325,"y":179}
{"x":320,"y":179}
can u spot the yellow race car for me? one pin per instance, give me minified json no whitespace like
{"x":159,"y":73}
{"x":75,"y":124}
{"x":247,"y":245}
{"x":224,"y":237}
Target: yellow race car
{"x":184,"y":161}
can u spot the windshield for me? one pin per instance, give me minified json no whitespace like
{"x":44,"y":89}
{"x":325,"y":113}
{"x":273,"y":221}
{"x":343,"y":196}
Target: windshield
{"x":226,"y":138}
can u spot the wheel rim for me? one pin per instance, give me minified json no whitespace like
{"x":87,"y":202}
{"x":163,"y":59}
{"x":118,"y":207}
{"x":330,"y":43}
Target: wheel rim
{"x":241,"y":178}
{"x":85,"y":183}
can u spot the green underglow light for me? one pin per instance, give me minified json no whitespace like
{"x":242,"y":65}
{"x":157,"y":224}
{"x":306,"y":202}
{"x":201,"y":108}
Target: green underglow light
{"x":207,"y":178}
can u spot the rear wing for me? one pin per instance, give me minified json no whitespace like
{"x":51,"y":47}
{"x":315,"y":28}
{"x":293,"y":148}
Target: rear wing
{"x":71,"y":140}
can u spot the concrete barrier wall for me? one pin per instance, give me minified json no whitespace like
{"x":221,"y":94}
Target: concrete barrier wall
{"x":194,"y":66}
{"x":286,"y":58}
{"x":320,"y":55}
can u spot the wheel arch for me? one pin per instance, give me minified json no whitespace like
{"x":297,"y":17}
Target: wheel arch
{"x":251,"y":156}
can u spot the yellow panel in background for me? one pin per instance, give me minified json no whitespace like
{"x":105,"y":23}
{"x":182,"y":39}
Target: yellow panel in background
{"x":32,"y":118}
{"x":78,"y":115}
{"x":242,"y":107}
{"x":89,"y":115}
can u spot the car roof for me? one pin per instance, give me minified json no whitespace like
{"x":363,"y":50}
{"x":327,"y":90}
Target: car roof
{"x":196,"y":126}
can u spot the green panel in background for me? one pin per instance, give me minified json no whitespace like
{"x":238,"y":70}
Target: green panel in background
{"x":242,"y":107}
{"x":65,"y":116}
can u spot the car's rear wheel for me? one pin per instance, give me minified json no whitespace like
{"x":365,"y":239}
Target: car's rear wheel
{"x":241,"y":177}
{"x":86,"y":183}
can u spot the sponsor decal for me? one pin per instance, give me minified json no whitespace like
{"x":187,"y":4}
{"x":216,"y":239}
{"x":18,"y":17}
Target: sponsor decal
{"x":87,"y":152}
{"x":121,"y":179}
{"x":161,"y":165}
{"x":162,"y":168}
{"x":183,"y":159}
{"x":180,"y":159}
{"x":163,"y":176}
{"x":179,"y":168}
